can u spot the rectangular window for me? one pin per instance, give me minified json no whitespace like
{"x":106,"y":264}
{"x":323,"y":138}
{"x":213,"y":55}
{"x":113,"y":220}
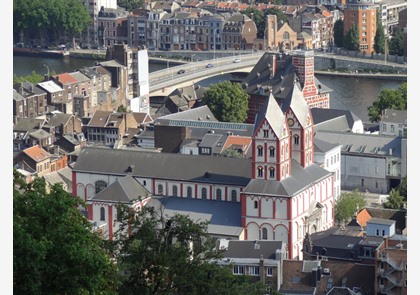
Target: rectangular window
{"x":265,"y":133}
{"x":238,"y":270}
{"x":254,"y":270}
{"x":269,"y":271}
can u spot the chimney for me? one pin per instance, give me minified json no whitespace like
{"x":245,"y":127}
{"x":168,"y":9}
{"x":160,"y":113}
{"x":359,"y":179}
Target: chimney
{"x":21,"y":90}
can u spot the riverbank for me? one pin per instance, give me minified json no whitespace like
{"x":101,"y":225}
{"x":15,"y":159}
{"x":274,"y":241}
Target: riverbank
{"x":355,"y":74}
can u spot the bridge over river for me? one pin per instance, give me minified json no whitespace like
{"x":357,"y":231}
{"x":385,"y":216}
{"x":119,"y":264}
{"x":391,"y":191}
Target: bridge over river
{"x":163,"y":82}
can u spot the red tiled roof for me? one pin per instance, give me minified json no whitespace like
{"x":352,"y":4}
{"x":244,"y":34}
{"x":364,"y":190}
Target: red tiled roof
{"x":238,"y":140}
{"x":65,"y":78}
{"x":37,"y":153}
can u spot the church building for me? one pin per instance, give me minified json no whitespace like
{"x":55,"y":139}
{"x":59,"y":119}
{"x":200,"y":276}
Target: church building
{"x":281,"y":192}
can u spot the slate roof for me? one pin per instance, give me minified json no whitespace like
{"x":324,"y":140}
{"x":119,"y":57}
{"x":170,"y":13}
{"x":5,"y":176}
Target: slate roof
{"x":79,"y":76}
{"x":57,"y":119}
{"x":394,"y":116}
{"x":382,"y":221}
{"x":39,"y":134}
{"x":111,"y":63}
{"x":363,"y":144}
{"x":28,"y":89}
{"x":323,"y":146}
{"x":224,"y":217}
{"x":17,"y":96}
{"x":297,"y":104}
{"x":299,"y":180}
{"x":202,"y":113}
{"x":321,"y":115}
{"x":124,"y":189}
{"x":271,"y":112}
{"x":247,"y":249}
{"x":165,"y":166}
{"x":103,"y":118}
{"x":28,"y":124}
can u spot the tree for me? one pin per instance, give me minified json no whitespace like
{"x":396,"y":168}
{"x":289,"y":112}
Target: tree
{"x":33,"y":78}
{"x":347,"y":204}
{"x":395,"y":99}
{"x":228,"y":101}
{"x":121,"y":109}
{"x":171,"y":256}
{"x":231,"y":153}
{"x":351,"y":39}
{"x":379,"y":45}
{"x":259,"y":19}
{"x":402,"y":188}
{"x":397,"y":42}
{"x":339,"y":33}
{"x":54,"y":248}
{"x":395,"y":200}
{"x":131,"y":5}
{"x":49,"y":19}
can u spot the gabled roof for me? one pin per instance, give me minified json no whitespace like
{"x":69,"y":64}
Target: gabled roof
{"x":320,"y":115}
{"x":124,"y":189}
{"x":202,"y":113}
{"x":105,"y":119}
{"x":65,"y":78}
{"x":50,"y":86}
{"x":271,"y":112}
{"x":297,"y":104}
{"x":28,"y":89}
{"x":300,"y":179}
{"x":79,"y":76}
{"x":57,"y":119}
{"x":165,"y":166}
{"x":36,"y":153}
{"x":323,"y":146}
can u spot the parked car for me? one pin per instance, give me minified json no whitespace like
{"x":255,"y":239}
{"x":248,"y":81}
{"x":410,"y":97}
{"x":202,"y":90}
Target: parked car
{"x":236,"y":60}
{"x":181,"y":71}
{"x":209,"y":65}
{"x":196,"y":49}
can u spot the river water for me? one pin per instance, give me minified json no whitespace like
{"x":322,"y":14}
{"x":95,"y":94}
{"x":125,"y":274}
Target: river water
{"x":353,"y":94}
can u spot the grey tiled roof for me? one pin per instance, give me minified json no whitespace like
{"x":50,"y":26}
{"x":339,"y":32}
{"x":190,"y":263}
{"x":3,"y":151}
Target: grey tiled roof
{"x":57,"y":119}
{"x":381,"y":221}
{"x":299,"y":180}
{"x":323,"y":146}
{"x":202,"y":113}
{"x":394,"y":116}
{"x":165,"y":166}
{"x":123,"y":189}
{"x":17,"y":96}
{"x":321,"y":115}
{"x":224,"y":217}
{"x":247,"y":249}
{"x":367,"y":144}
{"x":273,"y":114}
{"x":79,"y":76}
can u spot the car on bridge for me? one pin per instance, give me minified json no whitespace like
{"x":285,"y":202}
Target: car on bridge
{"x":209,"y":65}
{"x":236,"y":60}
{"x":181,"y":71}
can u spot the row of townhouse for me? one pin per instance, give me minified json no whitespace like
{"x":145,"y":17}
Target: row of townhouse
{"x":204,"y":26}
{"x":81,"y":92}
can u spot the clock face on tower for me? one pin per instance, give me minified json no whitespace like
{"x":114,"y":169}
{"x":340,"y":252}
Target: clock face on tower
{"x":290,"y":121}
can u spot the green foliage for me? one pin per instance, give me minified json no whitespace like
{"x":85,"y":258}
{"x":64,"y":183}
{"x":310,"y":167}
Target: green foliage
{"x":339,"y":33}
{"x":402,"y":188}
{"x":131,"y":5}
{"x":171,"y":256}
{"x":54,"y":248}
{"x":347,"y":204}
{"x":397,"y":45}
{"x":379,"y":45}
{"x":388,"y":99}
{"x":121,"y":109}
{"x":351,"y":39}
{"x":49,"y":19}
{"x":228,"y":101}
{"x":259,"y":19}
{"x":231,"y":153}
{"x":395,"y":200}
{"x":33,"y":78}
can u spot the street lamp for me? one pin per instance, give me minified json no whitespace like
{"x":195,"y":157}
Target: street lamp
{"x":48,"y":69}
